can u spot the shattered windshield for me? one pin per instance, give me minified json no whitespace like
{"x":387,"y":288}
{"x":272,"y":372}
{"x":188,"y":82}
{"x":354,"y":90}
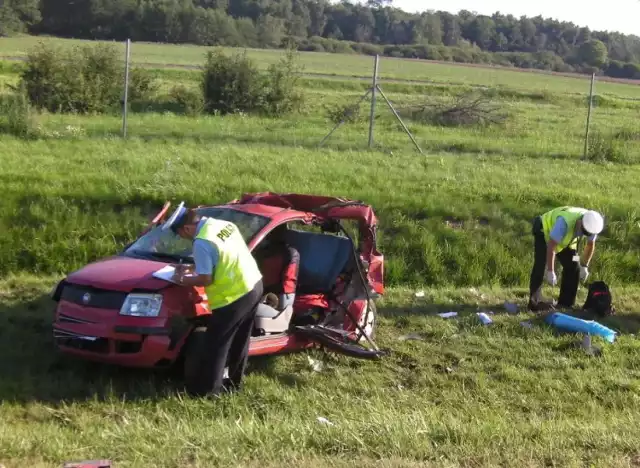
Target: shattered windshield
{"x":166,"y":246}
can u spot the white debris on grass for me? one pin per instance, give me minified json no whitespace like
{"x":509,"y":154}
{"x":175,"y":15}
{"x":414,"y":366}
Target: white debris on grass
{"x":316,"y":365}
{"x":448,"y":314}
{"x":411,"y":336}
{"x":322,"y":420}
{"x":484,"y":318}
{"x":419,"y":294}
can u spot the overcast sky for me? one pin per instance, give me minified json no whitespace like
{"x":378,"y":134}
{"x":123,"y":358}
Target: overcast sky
{"x":613,"y":15}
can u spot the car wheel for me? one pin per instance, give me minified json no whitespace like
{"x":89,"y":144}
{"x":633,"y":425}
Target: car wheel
{"x":368,"y":322}
{"x":192,"y":356}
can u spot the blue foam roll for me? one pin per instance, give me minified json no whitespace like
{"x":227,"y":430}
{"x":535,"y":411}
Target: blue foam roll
{"x":575,"y":324}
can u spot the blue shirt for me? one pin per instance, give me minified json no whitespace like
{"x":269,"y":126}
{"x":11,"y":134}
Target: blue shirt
{"x":560,"y":229}
{"x":205,"y":253}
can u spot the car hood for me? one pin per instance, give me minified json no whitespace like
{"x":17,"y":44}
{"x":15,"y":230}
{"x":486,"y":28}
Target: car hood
{"x":120,"y":274}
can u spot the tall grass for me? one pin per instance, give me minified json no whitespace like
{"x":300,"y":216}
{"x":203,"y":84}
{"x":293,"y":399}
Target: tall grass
{"x":85,"y":197}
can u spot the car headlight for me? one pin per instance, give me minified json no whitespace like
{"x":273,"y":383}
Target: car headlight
{"x":142,"y":305}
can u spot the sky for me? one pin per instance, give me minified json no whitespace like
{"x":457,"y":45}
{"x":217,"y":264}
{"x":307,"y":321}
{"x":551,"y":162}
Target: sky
{"x":614,"y":15}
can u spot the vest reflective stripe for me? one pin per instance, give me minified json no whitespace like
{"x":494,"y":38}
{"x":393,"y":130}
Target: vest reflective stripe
{"x":571,"y":216}
{"x":237,"y":271}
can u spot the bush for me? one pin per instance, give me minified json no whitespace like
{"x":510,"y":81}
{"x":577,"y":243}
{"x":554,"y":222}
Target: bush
{"x":191,"y":101}
{"x":350,"y":113}
{"x":234,"y":84}
{"x":283,"y":95}
{"x":83,"y":79}
{"x":16,"y":116}
{"x":603,"y":148}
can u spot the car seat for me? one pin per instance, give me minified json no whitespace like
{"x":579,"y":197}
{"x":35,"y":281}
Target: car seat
{"x":280,"y":277}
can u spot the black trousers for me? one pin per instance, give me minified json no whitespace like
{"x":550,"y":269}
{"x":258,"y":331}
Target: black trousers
{"x":570,"y":270}
{"x":227,"y":343}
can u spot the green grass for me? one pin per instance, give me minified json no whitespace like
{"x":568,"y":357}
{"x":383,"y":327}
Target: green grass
{"x":454,"y":218}
{"x":467,"y":395}
{"x":353,"y":66}
{"x":85,"y":196}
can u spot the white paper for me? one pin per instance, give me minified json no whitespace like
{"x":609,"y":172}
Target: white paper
{"x":448,"y":314}
{"x":322,"y":420}
{"x":165,"y":273}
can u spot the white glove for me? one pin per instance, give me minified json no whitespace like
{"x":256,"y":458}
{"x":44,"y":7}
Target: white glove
{"x":584,"y":273}
{"x":552,"y":279}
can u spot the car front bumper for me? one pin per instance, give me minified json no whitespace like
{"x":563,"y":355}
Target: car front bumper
{"x":103,"y":335}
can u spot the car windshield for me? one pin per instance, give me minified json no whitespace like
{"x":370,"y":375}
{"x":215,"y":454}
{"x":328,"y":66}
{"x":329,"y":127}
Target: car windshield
{"x":166,"y":246}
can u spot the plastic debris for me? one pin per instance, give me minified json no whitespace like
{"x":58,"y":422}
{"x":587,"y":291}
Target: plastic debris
{"x":420,"y":294}
{"x":448,"y":314}
{"x":411,"y":336}
{"x":589,"y":348}
{"x":87,"y":464}
{"x":511,"y":307}
{"x":575,"y":324}
{"x":484,"y":318}
{"x":322,"y":420}
{"x":317,"y":366}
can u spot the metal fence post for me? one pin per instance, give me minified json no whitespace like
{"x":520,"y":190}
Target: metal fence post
{"x":586,"y":135}
{"x":125,"y":103}
{"x":374,"y":88}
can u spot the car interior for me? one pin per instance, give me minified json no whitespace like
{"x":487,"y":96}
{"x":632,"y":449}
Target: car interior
{"x":310,"y":273}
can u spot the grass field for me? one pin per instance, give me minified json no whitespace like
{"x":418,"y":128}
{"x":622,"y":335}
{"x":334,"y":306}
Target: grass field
{"x":466,"y":395}
{"x":353,"y":66}
{"x":454,"y":222}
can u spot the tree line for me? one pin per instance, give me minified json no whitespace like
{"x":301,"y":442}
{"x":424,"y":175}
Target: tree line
{"x":374,"y":27}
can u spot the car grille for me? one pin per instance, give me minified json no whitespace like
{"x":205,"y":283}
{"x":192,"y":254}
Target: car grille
{"x":93,"y":297}
{"x":81,"y":342}
{"x":64,"y":318}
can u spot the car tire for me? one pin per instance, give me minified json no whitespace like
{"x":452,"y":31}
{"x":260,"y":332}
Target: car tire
{"x":367,"y":321}
{"x":192,"y":357}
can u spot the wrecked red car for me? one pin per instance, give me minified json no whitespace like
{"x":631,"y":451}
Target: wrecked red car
{"x":320,"y":283}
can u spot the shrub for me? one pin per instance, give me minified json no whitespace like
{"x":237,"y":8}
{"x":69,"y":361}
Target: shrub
{"x":602,"y":148}
{"x":234,"y":84}
{"x":191,"y":101}
{"x":350,"y":113}
{"x":231,"y":84}
{"x":16,"y":115}
{"x":83,"y":79}
{"x":283,"y":95}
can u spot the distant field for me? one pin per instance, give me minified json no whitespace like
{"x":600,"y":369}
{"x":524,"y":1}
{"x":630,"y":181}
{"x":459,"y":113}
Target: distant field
{"x":358,"y":66}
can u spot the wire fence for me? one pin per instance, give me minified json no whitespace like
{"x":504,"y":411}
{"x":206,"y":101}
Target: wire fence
{"x":373,"y":91}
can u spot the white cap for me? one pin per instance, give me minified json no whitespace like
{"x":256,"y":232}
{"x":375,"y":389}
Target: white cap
{"x":180,"y":211}
{"x":593,"y":222}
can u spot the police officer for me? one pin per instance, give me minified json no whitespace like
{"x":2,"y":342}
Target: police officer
{"x":556,"y":234}
{"x":226,"y":269}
